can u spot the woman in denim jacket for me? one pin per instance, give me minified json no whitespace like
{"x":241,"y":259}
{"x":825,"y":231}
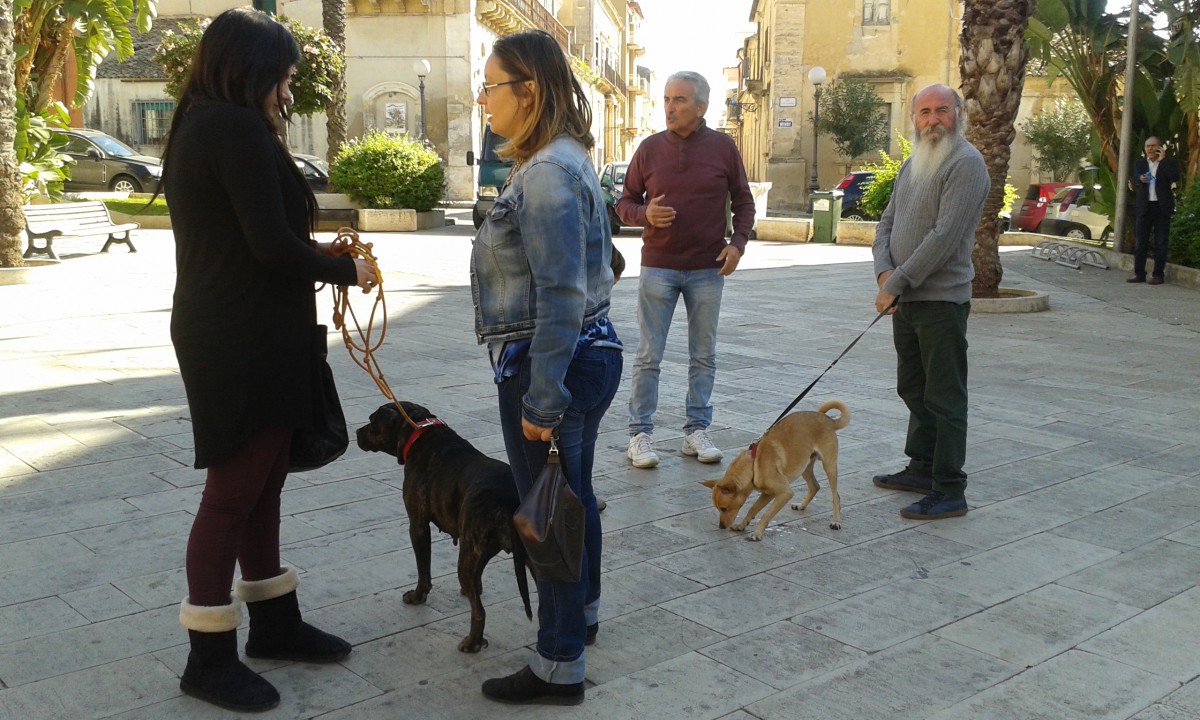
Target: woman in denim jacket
{"x":541,"y":281}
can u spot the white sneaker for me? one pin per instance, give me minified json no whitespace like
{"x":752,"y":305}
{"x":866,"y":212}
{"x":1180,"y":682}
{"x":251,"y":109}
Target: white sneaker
{"x":640,"y":453}
{"x":700,"y":446}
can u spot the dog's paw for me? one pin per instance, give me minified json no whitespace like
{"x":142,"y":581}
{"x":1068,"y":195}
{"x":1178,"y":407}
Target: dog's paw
{"x":468,"y":645}
{"x":415,"y":597}
{"x":755,"y":537}
{"x":835,"y":526}
{"x":738,"y":528}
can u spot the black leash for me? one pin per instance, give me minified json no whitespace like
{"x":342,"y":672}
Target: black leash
{"x":835,"y":362}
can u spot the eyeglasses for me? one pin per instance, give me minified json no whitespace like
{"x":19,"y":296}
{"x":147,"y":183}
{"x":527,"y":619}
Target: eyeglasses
{"x":486,"y":89}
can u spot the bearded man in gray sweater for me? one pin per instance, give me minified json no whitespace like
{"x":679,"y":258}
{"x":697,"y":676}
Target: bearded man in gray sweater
{"x":923,"y":267}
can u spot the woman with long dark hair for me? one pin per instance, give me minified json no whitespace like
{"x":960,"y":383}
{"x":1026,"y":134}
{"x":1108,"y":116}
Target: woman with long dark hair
{"x":541,"y":277}
{"x":242,"y":323}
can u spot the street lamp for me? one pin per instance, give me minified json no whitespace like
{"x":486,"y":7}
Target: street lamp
{"x":816,"y":76}
{"x":421,"y":68}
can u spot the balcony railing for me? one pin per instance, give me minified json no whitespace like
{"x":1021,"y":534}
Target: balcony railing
{"x":611,"y":75}
{"x":512,"y":16}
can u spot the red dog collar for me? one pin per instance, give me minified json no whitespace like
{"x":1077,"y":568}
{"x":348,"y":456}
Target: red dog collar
{"x":417,"y":432}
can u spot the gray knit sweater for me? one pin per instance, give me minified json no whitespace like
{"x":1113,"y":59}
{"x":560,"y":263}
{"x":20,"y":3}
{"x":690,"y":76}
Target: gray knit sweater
{"x":928,"y":229}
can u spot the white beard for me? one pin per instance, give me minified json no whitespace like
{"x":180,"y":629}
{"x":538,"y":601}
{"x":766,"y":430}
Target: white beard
{"x":929,"y":152}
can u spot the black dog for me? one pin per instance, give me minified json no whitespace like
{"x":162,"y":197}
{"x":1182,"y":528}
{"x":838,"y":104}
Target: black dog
{"x":467,"y":494}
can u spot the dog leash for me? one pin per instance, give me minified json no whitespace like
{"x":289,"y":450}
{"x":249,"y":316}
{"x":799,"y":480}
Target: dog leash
{"x":362,"y":352}
{"x":754,"y":445}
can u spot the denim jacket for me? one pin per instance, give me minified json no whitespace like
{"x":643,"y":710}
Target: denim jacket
{"x":540,"y":268}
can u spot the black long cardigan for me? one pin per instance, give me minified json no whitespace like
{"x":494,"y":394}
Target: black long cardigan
{"x":244,"y":307}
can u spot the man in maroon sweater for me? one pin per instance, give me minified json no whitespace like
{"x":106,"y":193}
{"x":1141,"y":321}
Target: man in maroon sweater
{"x":676,"y":187}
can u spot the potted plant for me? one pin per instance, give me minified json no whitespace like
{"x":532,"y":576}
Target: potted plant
{"x":396,"y":179}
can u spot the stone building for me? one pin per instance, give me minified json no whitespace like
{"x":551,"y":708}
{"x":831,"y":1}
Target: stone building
{"x":385,"y":41}
{"x":897,"y":46}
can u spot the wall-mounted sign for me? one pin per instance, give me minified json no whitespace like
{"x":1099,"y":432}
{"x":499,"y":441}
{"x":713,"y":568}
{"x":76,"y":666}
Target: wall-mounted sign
{"x":785,"y":123}
{"x":787,"y":102}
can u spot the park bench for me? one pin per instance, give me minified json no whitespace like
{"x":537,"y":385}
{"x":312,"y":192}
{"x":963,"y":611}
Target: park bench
{"x":77,"y":219}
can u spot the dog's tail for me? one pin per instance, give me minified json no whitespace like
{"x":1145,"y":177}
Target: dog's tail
{"x":520,"y":562}
{"x":843,"y":418}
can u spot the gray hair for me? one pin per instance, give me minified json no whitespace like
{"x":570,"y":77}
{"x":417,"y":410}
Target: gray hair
{"x":699,"y":84}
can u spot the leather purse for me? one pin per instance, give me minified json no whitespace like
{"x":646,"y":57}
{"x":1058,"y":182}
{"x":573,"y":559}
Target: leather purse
{"x":325,"y":440}
{"x":550,"y":522}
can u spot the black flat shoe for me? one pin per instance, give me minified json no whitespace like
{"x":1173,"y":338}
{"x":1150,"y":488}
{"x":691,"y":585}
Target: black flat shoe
{"x":525,"y":687}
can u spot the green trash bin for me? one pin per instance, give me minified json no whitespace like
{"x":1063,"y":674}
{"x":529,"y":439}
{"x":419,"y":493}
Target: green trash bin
{"x":826,"y":210}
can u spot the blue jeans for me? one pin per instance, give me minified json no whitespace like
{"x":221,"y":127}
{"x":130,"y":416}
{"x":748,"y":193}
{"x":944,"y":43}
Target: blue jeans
{"x":658,"y":294}
{"x":565,"y":609}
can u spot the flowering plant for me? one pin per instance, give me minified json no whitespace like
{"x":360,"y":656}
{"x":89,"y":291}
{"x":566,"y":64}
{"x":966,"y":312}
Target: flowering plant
{"x":312,"y":87}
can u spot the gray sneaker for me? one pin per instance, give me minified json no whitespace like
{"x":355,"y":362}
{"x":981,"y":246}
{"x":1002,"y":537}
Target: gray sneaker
{"x":640,"y":452}
{"x":699,"y":445}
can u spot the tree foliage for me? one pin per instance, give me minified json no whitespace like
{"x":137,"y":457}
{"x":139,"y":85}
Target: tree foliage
{"x":853,"y":116}
{"x":47,"y":29}
{"x":1184,"y":247}
{"x":1085,"y":44}
{"x":316,"y":74}
{"x":1061,"y":138}
{"x":44,"y":34}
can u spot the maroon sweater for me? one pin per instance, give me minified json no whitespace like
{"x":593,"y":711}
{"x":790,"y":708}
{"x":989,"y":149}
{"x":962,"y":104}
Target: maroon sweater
{"x":695,"y":174}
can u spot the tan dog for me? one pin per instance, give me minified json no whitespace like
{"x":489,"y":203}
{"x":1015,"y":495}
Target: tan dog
{"x":788,"y":449}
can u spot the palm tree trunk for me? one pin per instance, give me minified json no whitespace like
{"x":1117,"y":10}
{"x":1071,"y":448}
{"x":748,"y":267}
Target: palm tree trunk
{"x":333,"y":16}
{"x":11,"y":221}
{"x":992,"y":67}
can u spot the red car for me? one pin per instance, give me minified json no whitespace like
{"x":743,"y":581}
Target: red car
{"x":1033,"y":207}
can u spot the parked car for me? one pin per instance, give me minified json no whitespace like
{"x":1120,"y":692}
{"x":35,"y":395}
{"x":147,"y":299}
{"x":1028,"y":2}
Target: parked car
{"x":852,"y":187}
{"x":612,"y":181}
{"x":1069,"y":214}
{"x":315,"y":171}
{"x":103,"y":162}
{"x":1033,"y":207}
{"x":492,"y":173}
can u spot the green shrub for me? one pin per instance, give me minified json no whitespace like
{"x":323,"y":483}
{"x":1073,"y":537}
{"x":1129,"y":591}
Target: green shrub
{"x":1184,"y":248}
{"x":388,"y":171}
{"x":875,"y":198}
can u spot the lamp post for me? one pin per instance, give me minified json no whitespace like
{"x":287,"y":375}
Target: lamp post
{"x":421,"y":68}
{"x":816,"y":76}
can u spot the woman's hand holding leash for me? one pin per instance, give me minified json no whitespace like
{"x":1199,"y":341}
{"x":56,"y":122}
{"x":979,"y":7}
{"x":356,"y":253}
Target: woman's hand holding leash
{"x":366,"y":275}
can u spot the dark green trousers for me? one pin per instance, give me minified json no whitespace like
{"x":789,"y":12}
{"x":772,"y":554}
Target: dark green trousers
{"x":931,"y":378}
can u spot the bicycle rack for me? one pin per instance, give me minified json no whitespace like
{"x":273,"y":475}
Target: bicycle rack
{"x":1069,"y":255}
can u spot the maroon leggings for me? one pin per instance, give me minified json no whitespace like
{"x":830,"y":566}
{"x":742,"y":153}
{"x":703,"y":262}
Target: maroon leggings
{"x":238,"y":519}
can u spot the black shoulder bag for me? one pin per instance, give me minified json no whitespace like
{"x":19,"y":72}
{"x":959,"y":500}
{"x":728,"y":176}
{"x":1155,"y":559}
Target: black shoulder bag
{"x":326,"y":439}
{"x":550,"y":522}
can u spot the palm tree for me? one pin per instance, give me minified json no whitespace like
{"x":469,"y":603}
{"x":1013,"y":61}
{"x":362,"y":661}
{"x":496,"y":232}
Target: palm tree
{"x":11,"y":222}
{"x":333,"y":16}
{"x":992,"y":68}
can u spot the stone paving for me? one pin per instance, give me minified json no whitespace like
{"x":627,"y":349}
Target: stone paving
{"x":1068,"y":592}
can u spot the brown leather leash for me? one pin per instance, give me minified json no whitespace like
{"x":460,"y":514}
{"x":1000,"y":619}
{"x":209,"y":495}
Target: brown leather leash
{"x":362,"y":350}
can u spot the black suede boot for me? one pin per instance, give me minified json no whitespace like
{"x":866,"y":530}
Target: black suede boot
{"x":525,"y":687}
{"x":214,"y":672}
{"x":277,"y":630}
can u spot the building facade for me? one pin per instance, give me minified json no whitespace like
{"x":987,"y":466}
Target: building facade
{"x":385,"y":42}
{"x":896,"y":46}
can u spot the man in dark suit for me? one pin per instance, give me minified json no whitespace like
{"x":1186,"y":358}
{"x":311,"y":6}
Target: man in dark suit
{"x":1154,"y":180}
